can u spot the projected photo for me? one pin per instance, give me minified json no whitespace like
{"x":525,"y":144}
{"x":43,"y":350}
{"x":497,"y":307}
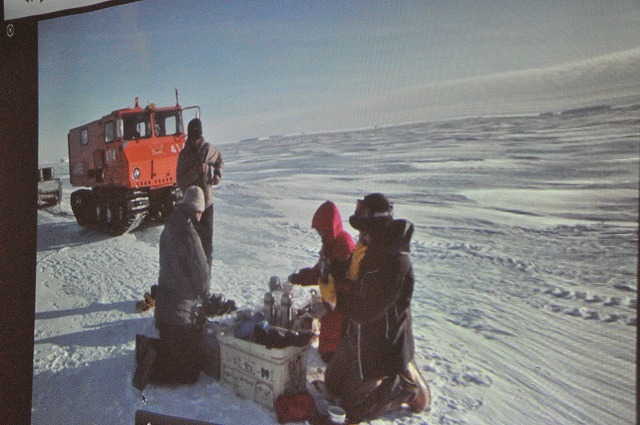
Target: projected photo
{"x":504,"y":134}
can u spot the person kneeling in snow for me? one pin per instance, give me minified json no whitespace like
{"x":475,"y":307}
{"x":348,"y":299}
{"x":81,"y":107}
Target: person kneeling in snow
{"x":337,"y":246}
{"x":373,"y":371}
{"x":182,"y":285}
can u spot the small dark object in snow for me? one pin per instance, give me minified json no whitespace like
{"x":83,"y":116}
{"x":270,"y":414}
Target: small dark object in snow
{"x":144,"y":417}
{"x":216,"y":305}
{"x":270,"y":337}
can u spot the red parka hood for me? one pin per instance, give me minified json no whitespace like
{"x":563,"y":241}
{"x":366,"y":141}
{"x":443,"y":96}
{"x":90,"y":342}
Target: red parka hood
{"x":327,"y":218}
{"x":337,"y":244}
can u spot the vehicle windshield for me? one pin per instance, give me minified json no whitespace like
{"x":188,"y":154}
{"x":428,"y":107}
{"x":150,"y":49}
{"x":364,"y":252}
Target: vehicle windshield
{"x":167,"y":123}
{"x":136,"y":126}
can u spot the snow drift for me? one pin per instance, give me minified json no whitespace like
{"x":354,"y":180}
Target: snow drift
{"x":524,"y":252}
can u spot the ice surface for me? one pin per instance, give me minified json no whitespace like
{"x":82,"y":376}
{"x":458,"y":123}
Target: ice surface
{"x":525,"y":255}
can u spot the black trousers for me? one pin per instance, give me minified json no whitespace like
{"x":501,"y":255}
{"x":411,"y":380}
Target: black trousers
{"x":179,"y":356}
{"x":205,"y":230}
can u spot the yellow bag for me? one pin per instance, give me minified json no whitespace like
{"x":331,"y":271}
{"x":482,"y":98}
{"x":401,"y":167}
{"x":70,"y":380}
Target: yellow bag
{"x":328,"y":291}
{"x":356,"y":258}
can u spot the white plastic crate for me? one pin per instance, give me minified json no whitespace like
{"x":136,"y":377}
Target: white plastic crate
{"x":258,"y":373}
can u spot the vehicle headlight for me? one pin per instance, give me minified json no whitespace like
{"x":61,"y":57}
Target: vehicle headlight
{"x":136,"y":173}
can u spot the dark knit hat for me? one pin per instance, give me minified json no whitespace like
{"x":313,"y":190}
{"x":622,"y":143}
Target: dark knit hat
{"x":194,"y":129}
{"x":372,"y":213}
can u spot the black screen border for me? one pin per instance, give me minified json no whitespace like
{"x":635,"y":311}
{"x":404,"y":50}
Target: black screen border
{"x":18,"y":206}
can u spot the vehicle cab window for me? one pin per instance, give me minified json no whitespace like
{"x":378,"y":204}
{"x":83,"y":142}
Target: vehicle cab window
{"x":84,"y":137}
{"x":167,"y":123}
{"x":136,"y":126}
{"x":109,"y":131}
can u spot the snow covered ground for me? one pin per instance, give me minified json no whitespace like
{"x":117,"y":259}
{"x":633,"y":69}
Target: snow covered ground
{"x":525,"y":256}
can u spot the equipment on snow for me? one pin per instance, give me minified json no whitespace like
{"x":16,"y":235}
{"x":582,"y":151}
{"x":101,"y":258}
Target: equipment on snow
{"x":146,"y":352}
{"x":49,"y":188}
{"x":269,"y":306}
{"x":276,"y":291}
{"x":294,"y":407}
{"x":273,"y":337}
{"x":145,"y":417}
{"x":217,"y":305}
{"x":211,"y":349}
{"x":286,"y":305}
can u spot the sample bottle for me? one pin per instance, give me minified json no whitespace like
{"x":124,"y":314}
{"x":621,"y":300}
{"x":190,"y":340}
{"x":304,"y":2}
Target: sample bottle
{"x":274,"y":283}
{"x":269,"y":307}
{"x":275,"y":287}
{"x":286,"y":303}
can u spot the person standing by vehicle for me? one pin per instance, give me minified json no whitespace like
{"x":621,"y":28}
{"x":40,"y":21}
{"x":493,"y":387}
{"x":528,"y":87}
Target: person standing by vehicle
{"x":337,"y":246}
{"x":373,"y":371}
{"x":183,"y":284}
{"x":200,"y":164}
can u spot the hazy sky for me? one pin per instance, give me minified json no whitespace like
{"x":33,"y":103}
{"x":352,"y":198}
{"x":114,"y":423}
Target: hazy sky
{"x":259,"y":68}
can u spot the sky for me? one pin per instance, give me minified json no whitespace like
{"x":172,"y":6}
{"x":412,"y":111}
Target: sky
{"x":260,"y":68}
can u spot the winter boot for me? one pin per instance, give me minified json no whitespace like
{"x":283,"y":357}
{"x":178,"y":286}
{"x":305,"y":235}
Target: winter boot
{"x":142,"y":306}
{"x":422,"y":400}
{"x":150,"y":300}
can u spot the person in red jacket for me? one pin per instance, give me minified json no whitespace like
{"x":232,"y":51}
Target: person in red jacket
{"x":337,"y":246}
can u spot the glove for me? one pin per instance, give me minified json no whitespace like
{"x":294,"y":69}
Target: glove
{"x":209,"y":174}
{"x":325,"y":269}
{"x":198,"y":316}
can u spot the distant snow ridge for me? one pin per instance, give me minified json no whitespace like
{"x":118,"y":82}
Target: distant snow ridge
{"x":604,"y":79}
{"x":593,"y":306}
{"x":471,"y":319}
{"x":442,"y":250}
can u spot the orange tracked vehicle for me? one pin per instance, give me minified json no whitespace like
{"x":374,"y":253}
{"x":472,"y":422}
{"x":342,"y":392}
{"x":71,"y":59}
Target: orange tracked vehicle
{"x":126,"y":163}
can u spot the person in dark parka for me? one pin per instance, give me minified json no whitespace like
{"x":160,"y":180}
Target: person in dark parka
{"x":183,"y":284}
{"x":373,"y":371}
{"x":200,"y":164}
